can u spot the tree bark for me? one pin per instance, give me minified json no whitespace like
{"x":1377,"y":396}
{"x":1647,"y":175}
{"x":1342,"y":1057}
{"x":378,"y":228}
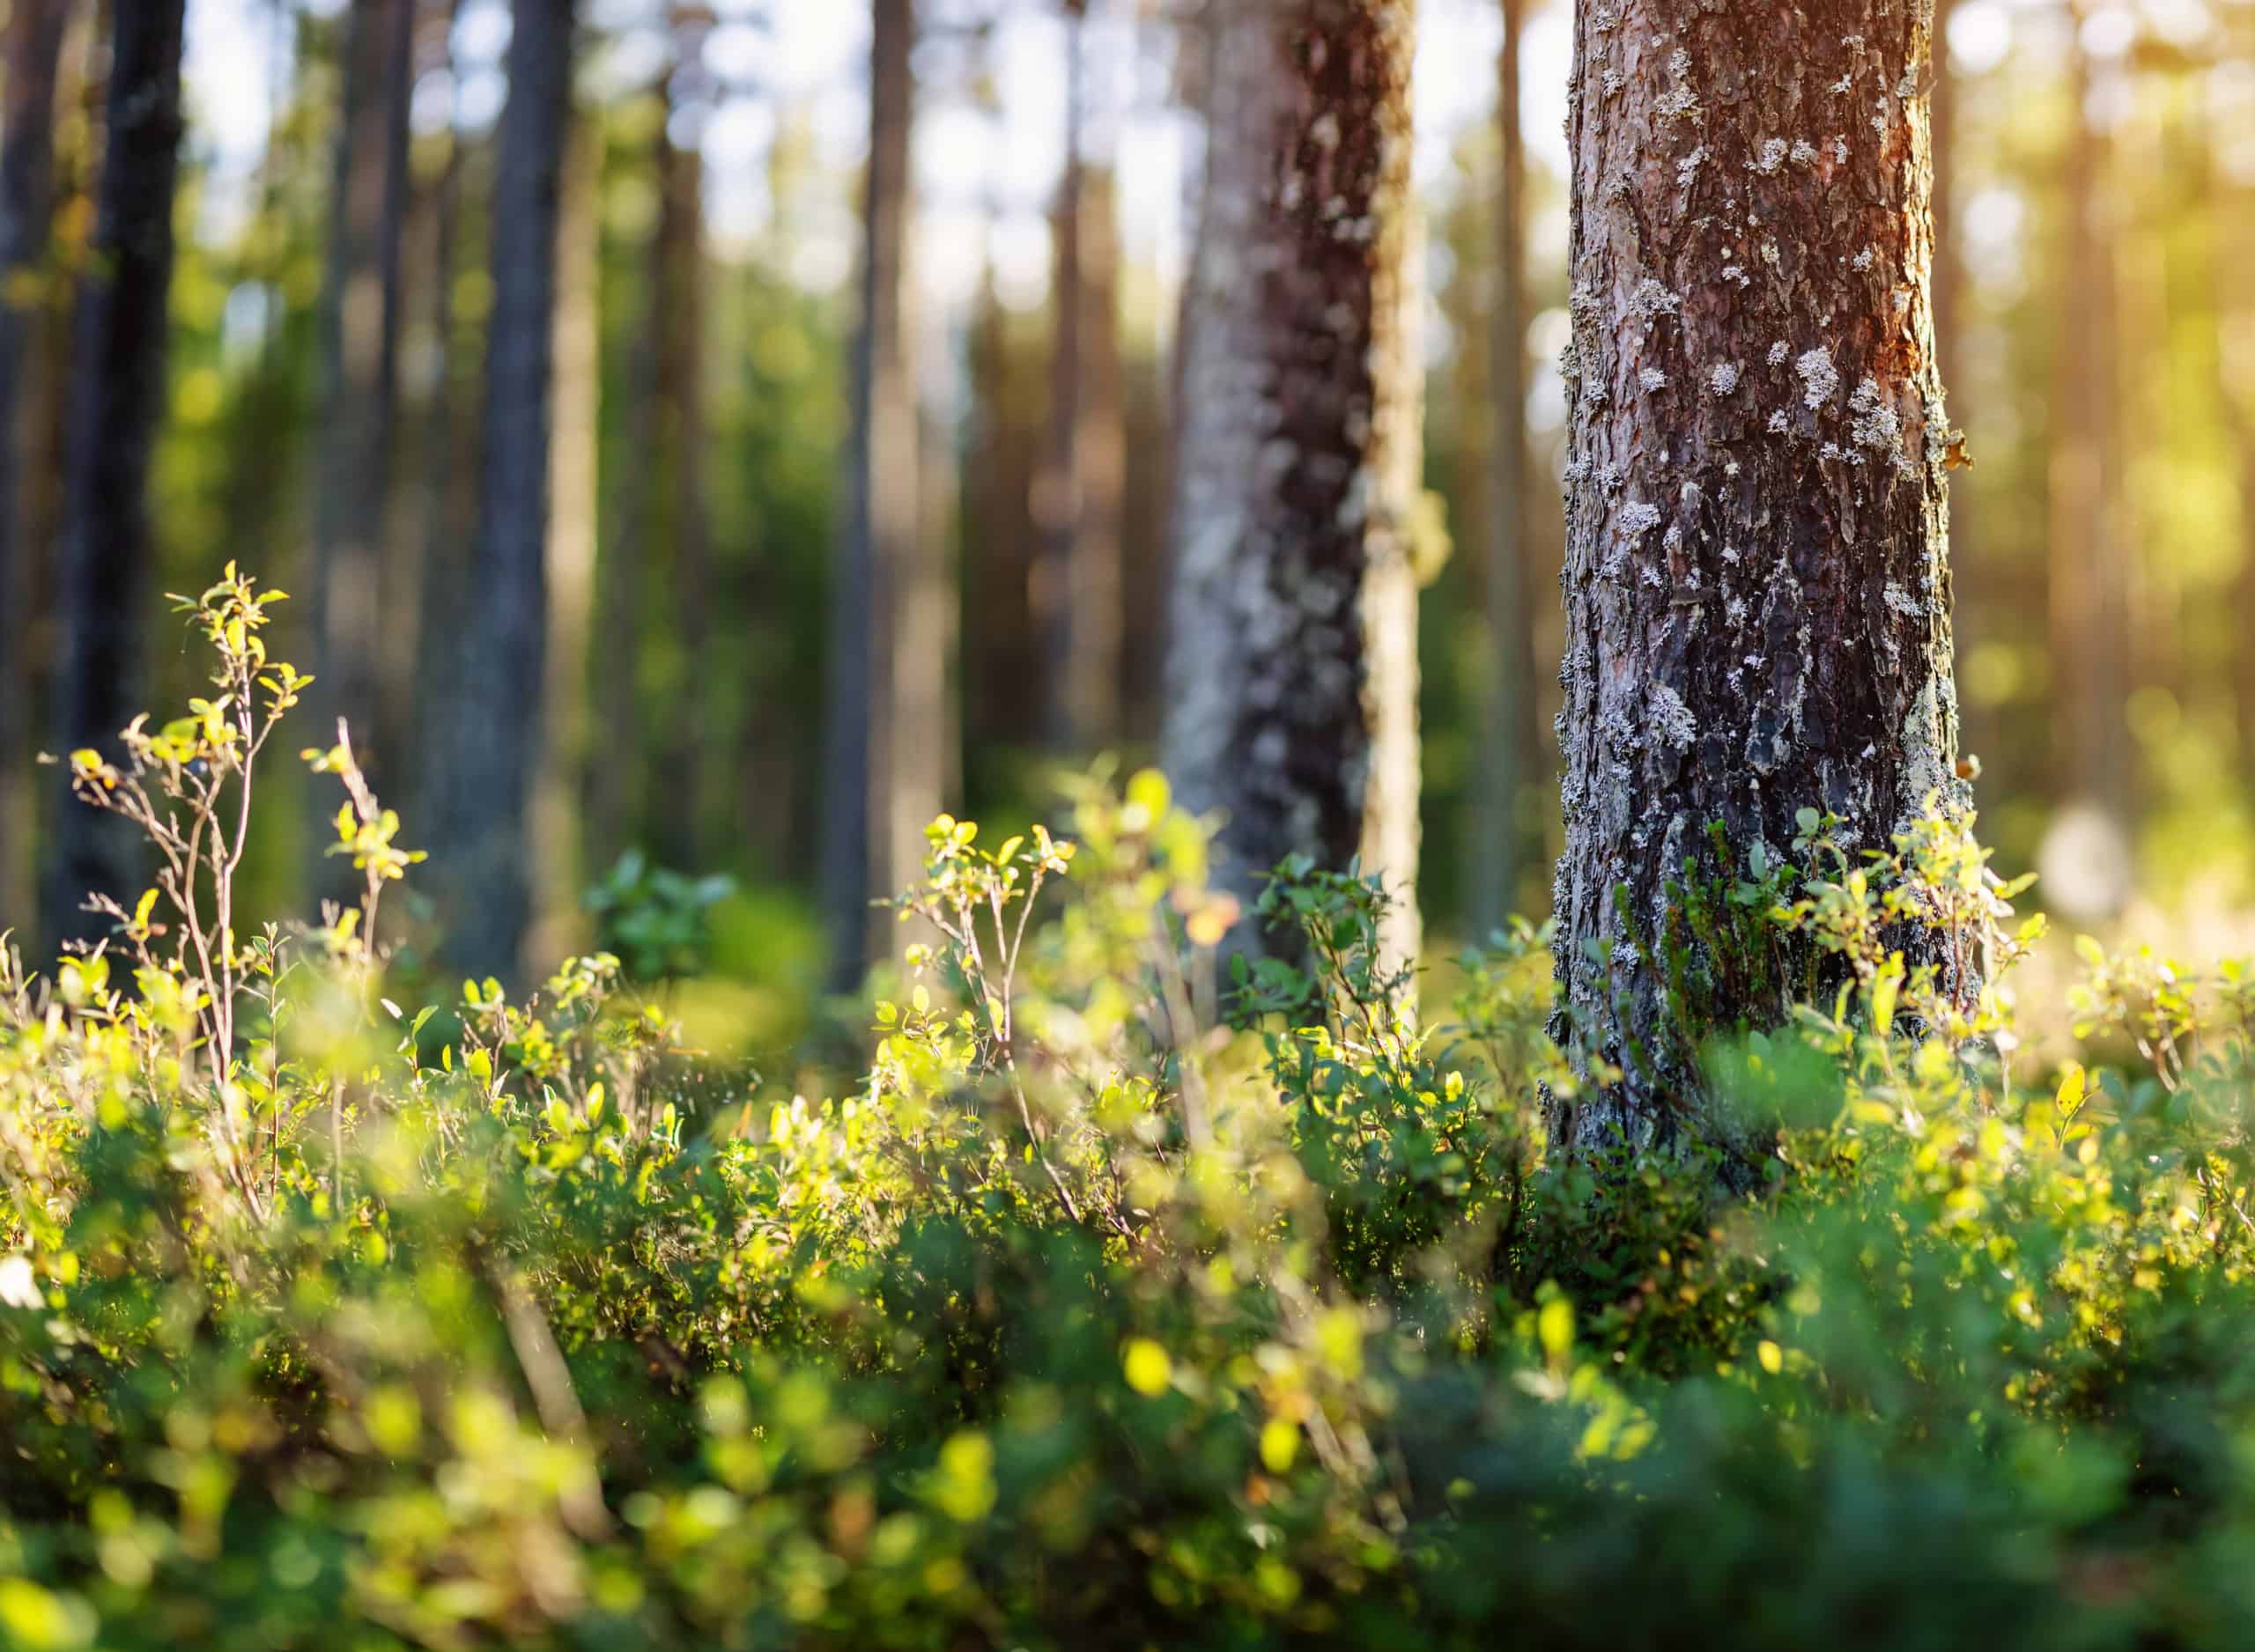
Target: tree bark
{"x":1757,"y":582}
{"x":118,"y":359}
{"x":33,"y":48}
{"x":881,"y":526}
{"x":1292,"y":665}
{"x":1500,"y":849}
{"x":360,"y":354}
{"x":490,"y":735}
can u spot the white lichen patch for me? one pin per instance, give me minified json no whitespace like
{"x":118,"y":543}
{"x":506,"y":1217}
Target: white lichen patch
{"x":1840,"y":150}
{"x":1687,"y":167}
{"x":1820,"y":378}
{"x":1638,"y":518}
{"x":1651,"y":300}
{"x":1612,"y":82}
{"x":1903,"y":603}
{"x":1865,"y":259}
{"x":1779,"y":351}
{"x":1777,"y":423}
{"x":1722,"y":377}
{"x":1877,"y":425}
{"x":1671,"y":718}
{"x":1804,"y":152}
{"x":1652,"y":379}
{"x":1732,"y":273}
{"x":1679,"y":104}
{"x":1770,"y":158}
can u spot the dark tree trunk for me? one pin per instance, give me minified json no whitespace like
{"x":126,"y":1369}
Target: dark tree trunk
{"x":33,"y":46}
{"x":1291,"y":664}
{"x":1500,"y":853}
{"x":1757,"y":586}
{"x":881,"y":526}
{"x":360,"y":333}
{"x":118,"y":357}
{"x":489,"y":735}
{"x":677,"y":343}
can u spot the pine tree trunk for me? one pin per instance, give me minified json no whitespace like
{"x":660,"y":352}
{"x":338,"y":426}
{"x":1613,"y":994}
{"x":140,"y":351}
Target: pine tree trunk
{"x":1500,"y":852}
{"x":33,"y":47}
{"x":360,"y":351}
{"x":881,"y":525}
{"x":679,"y":345}
{"x":1757,"y":586}
{"x":1292,"y":670}
{"x":490,"y":735}
{"x":118,"y":359}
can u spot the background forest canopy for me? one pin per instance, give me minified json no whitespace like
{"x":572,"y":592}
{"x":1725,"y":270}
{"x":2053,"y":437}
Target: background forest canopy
{"x":341,"y":396}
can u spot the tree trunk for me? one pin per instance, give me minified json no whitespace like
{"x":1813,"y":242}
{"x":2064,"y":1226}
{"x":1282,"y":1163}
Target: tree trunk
{"x":1499,"y":853}
{"x":1076,"y":495}
{"x":881,"y":525}
{"x":2086,"y":860}
{"x":679,"y":347}
{"x":560,"y":852}
{"x":490,"y":736}
{"x":118,"y":359}
{"x":1292,"y":669}
{"x":359,"y":339}
{"x":33,"y":47}
{"x":1757,"y":580}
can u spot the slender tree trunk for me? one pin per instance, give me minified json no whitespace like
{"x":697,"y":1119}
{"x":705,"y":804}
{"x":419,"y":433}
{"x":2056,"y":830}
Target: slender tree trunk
{"x":1292,"y":698}
{"x":33,"y":47}
{"x":118,"y":360}
{"x":1500,"y":850}
{"x":360,"y":335}
{"x":1757,"y":580}
{"x":449,"y":439}
{"x":2094,"y":758}
{"x":559,"y":847}
{"x":679,"y":347}
{"x":880,"y":529}
{"x":1076,"y":493}
{"x":491,"y":736}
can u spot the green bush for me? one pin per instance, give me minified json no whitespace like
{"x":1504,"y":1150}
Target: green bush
{"x":1114,"y":1304}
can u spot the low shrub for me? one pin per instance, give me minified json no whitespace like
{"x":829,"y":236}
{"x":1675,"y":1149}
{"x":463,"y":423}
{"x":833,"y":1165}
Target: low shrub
{"x":1117,"y":1302}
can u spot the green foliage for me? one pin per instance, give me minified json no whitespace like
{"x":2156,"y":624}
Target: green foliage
{"x":656,"y":920}
{"x":1083,"y":1316}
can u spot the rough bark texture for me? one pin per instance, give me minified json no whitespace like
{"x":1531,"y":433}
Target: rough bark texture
{"x":881,"y":526}
{"x":359,"y":324}
{"x":118,"y":357}
{"x":1756,"y":582}
{"x":492,"y":733}
{"x":33,"y":46}
{"x":1501,"y":851}
{"x":1292,"y":667}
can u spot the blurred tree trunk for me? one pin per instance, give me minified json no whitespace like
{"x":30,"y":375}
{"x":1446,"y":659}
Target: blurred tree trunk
{"x":445,"y":466}
{"x":2094,"y":758}
{"x":677,"y":343}
{"x":360,"y":308}
{"x":560,"y":851}
{"x":1757,"y":586}
{"x":118,"y":361}
{"x":1292,"y":670}
{"x":1500,"y":850}
{"x":1076,"y":494}
{"x":489,"y":735}
{"x":33,"y":47}
{"x":1002,"y":651}
{"x":880,"y":535}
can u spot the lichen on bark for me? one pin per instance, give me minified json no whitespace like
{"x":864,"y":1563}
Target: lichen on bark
{"x":1757,"y":580}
